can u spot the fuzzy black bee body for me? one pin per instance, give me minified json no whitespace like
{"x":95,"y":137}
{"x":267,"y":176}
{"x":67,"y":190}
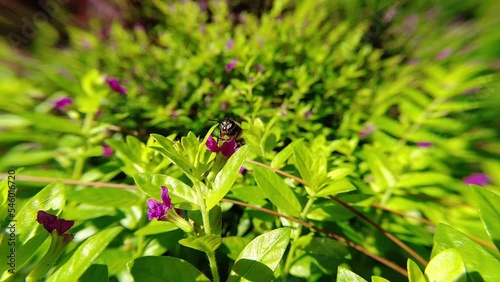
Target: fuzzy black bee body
{"x":230,"y":129}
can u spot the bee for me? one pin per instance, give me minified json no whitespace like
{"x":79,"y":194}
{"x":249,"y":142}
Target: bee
{"x":231,"y":129}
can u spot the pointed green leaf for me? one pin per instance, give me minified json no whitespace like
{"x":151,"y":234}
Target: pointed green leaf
{"x":226,"y":177}
{"x":166,"y":147}
{"x":206,"y":244}
{"x":446,"y":266}
{"x":336,"y":187}
{"x":488,"y":204}
{"x":96,"y":272}
{"x":277,"y":191}
{"x":414,"y":272}
{"x":303,"y":161}
{"x":475,"y":257}
{"x":164,"y":269}
{"x":180,"y":193}
{"x":261,"y":256}
{"x":51,"y":199}
{"x":346,"y":275}
{"x":83,"y":257}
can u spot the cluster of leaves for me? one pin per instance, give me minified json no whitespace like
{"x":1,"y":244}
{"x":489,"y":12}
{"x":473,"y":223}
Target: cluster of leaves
{"x":372,"y":115}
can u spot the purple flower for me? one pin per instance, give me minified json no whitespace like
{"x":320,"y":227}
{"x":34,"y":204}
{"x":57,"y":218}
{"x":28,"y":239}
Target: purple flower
{"x":413,"y":61}
{"x":389,"y":15}
{"x":62,"y":103}
{"x":115,"y":85}
{"x":106,"y":150}
{"x":259,"y":68}
{"x":367,"y":130}
{"x":443,"y":54}
{"x":231,"y":65}
{"x":425,"y":144}
{"x":227,"y":148}
{"x":477,"y":178}
{"x":51,"y":222}
{"x":242,"y":170}
{"x":224,"y":106}
{"x":230,"y":44}
{"x":158,"y":210}
{"x":174,"y":114}
{"x":308,"y":114}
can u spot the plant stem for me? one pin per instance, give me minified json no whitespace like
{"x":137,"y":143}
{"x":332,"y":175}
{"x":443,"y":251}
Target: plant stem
{"x":80,"y":161}
{"x":213,"y":266}
{"x":296,"y":236}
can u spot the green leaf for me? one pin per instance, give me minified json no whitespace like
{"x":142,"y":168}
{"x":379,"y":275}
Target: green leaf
{"x":96,"y":272}
{"x":84,"y":255}
{"x":261,"y":256}
{"x":156,"y":227}
{"x":281,"y":157}
{"x":489,"y":210}
{"x":423,"y":179}
{"x":446,"y":266}
{"x":277,"y":191}
{"x":166,"y":147}
{"x":303,"y":161}
{"x":180,"y":193}
{"x":476,"y":259}
{"x":346,"y":275}
{"x":414,"y":272}
{"x":164,"y":269}
{"x":336,"y":187}
{"x":206,"y":244}
{"x":53,"y":123}
{"x":51,"y":199}
{"x":107,"y":197}
{"x":379,"y":279}
{"x":226,"y":177}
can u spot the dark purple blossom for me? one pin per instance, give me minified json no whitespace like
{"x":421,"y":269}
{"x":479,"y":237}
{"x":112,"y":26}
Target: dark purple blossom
{"x":480,"y":179}
{"x":158,"y":210}
{"x":224,"y":106}
{"x":51,"y":222}
{"x":242,"y":170}
{"x":227,"y":148}
{"x":368,"y":130}
{"x":106,"y":150}
{"x":231,"y":65}
{"x":115,"y":85}
{"x":62,"y":103}
{"x":425,"y":144}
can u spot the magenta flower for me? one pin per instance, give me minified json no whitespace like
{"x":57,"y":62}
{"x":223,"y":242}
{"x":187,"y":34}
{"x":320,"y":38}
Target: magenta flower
{"x":158,"y":210}
{"x":106,"y":150}
{"x":368,"y":130}
{"x":115,"y":85}
{"x":242,"y":170}
{"x":425,"y":144}
{"x":231,"y":65}
{"x":51,"y":222}
{"x":227,"y":148}
{"x":480,"y":179}
{"x":62,"y":103}
{"x":230,"y":44}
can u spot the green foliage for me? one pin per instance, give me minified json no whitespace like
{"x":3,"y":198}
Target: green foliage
{"x":361,"y":120}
